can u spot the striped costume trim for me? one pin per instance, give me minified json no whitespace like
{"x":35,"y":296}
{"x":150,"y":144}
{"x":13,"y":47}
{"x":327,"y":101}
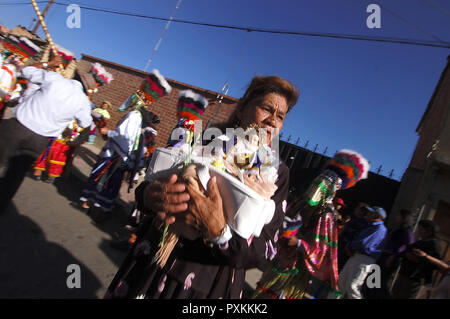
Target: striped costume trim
{"x":326,"y":240}
{"x":57,"y":162}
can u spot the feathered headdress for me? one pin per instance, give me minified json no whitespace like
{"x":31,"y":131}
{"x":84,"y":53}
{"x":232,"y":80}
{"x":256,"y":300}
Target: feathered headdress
{"x":66,"y":55}
{"x":155,"y":86}
{"x":190,"y":105}
{"x":350,"y":167}
{"x":101,"y":76}
{"x":151,"y":89}
{"x":343,"y":171}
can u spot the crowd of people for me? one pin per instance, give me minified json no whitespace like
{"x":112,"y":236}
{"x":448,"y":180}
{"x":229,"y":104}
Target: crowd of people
{"x":310,"y":247}
{"x":407,"y":266}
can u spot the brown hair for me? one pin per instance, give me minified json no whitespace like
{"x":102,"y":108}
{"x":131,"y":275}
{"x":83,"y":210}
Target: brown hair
{"x":261,"y":86}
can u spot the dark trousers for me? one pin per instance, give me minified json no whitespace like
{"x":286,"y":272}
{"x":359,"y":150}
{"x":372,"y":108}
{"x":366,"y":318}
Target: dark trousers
{"x":19,"y":148}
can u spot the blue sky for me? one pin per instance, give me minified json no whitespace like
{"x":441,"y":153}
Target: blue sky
{"x":365,"y":96}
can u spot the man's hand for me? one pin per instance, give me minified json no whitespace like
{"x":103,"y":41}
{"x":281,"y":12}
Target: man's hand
{"x":104,"y":131}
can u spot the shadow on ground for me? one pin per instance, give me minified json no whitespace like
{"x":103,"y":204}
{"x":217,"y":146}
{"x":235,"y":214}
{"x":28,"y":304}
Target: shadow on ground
{"x":71,"y":188}
{"x":87,"y":155}
{"x":32,"y":267}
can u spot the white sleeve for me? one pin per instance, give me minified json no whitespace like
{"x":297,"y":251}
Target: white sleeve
{"x":84,"y":117}
{"x":127,"y":131}
{"x":224,"y":237}
{"x":33,"y":74}
{"x":38,"y":76}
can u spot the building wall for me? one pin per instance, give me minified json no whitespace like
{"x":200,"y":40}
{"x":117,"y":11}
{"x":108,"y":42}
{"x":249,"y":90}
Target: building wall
{"x":441,"y":151}
{"x":426,"y":182}
{"x":127,"y":80}
{"x":433,"y":120}
{"x":408,"y":192}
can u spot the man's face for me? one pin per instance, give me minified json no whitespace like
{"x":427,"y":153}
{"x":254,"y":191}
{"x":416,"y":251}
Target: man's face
{"x":371,"y":216}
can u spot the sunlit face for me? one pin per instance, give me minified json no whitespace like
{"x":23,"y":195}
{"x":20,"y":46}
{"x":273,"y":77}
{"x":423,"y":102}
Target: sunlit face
{"x":268,"y":112}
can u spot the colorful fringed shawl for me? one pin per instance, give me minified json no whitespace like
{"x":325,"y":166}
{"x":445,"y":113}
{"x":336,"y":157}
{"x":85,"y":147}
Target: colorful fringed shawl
{"x":314,"y":271}
{"x":20,"y":47}
{"x":321,"y":254}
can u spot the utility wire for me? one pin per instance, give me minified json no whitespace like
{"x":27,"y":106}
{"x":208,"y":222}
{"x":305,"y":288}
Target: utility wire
{"x":434,"y":5}
{"x":438,"y":44}
{"x":406,"y":21}
{"x":393,"y":13}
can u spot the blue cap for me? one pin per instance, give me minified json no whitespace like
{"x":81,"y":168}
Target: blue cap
{"x":379,"y":210}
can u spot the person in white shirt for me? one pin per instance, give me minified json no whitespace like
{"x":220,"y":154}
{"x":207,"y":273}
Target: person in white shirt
{"x":46,"y":110}
{"x":115,"y":159}
{"x":125,"y":149}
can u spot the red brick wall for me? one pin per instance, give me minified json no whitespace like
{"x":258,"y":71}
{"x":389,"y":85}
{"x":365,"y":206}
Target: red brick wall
{"x":127,"y":80}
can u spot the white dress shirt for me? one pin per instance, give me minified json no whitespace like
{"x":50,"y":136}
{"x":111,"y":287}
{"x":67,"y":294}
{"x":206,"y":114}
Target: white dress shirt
{"x":123,"y":139}
{"x":52,"y":102}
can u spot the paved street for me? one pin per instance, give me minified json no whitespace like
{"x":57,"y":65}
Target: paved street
{"x":41,"y":234}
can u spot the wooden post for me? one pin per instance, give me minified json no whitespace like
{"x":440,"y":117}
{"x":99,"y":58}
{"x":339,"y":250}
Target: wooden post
{"x":43,"y":15}
{"x":47,"y":34}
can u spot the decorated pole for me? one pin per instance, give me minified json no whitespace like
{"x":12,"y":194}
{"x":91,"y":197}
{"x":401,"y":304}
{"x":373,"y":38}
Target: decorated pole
{"x":44,"y":27}
{"x":43,"y":15}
